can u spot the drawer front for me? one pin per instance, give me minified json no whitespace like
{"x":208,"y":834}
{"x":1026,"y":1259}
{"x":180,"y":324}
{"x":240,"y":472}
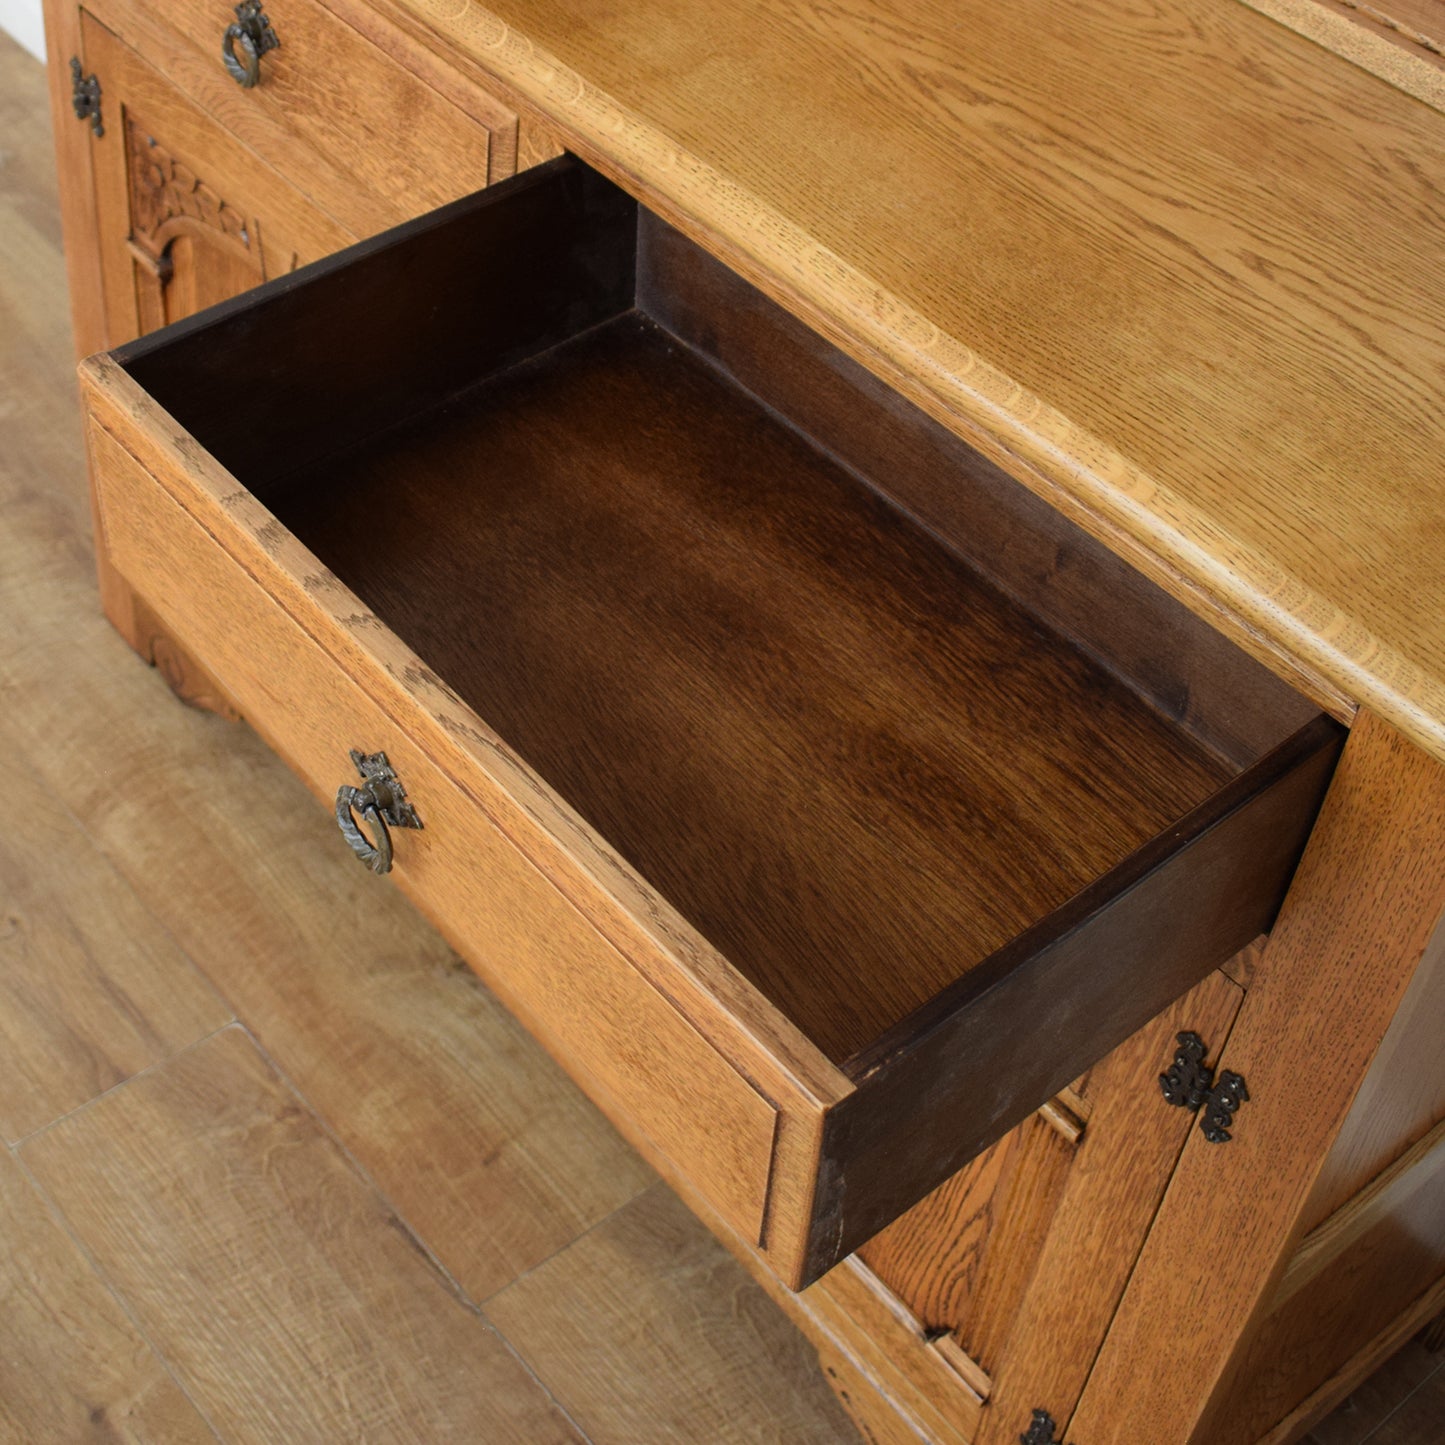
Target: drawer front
{"x":622,"y":1040}
{"x":186,"y":216}
{"x":372,"y":143}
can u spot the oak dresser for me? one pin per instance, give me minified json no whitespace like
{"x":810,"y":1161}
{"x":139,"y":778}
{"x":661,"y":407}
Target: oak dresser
{"x":876,"y":570}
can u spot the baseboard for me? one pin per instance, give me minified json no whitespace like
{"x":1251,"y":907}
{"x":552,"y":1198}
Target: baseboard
{"x":23,"y":20}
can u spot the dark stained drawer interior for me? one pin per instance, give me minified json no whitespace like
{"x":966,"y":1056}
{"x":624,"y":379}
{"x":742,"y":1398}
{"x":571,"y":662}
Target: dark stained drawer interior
{"x":963,"y":798}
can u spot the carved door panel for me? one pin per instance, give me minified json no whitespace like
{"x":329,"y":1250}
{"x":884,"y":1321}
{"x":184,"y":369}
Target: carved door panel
{"x":187,"y":215}
{"x":1012,"y":1270}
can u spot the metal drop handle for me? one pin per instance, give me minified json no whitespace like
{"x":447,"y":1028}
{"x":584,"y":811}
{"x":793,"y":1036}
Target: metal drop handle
{"x":245,"y":42}
{"x":380,"y":803}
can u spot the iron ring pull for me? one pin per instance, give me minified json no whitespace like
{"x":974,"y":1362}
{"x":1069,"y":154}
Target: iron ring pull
{"x":351,"y":801}
{"x":251,"y":34}
{"x":380,"y":803}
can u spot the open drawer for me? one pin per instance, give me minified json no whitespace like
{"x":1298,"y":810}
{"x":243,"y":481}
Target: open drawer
{"x":820,"y":797}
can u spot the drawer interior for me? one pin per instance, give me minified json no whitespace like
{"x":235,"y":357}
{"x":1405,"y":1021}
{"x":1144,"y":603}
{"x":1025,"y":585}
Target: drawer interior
{"x":859,"y":705}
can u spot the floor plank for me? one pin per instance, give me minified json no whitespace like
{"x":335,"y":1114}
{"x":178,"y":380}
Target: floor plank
{"x":649,"y":1333}
{"x":73,"y":1368}
{"x":1419,"y":1418}
{"x":92,"y":988}
{"x":286,"y":1296}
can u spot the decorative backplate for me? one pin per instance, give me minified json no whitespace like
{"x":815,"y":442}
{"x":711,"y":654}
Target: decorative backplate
{"x":1041,"y":1431}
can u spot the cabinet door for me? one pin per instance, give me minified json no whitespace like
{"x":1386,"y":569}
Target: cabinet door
{"x":1013,"y":1269}
{"x":186,"y":215}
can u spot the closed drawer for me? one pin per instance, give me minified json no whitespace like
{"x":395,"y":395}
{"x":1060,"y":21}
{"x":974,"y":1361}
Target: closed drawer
{"x":369,"y":139}
{"x":899,"y":828}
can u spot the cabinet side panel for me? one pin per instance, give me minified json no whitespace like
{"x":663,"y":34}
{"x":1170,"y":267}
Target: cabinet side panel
{"x":1319,"y":1330}
{"x":1402,"y":1097}
{"x":73,"y":152}
{"x":1364,"y":906}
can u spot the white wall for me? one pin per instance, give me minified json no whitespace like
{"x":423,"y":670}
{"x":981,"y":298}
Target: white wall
{"x":21,"y":18}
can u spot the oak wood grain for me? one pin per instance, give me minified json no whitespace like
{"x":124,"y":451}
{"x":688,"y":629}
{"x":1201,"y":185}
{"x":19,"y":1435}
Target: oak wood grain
{"x":73,"y":1367}
{"x":873,"y":1414}
{"x":92,"y":988}
{"x":602,"y":1020}
{"x":370,"y":139}
{"x":850,"y":582}
{"x":1033,"y":1234}
{"x":282,"y":1289}
{"x":72,"y":144}
{"x":1401,"y":1100}
{"x":1382,"y":1197}
{"x":1363,"y":909}
{"x":733,"y":670}
{"x":1081,"y":239}
{"x":1068,"y":581}
{"x":1115,"y":1183}
{"x":186,"y":216}
{"x":852,"y":1312}
{"x":931,"y":1256}
{"x":648,"y":1333}
{"x":1401,"y":41}
{"x":456,"y":1114}
{"x":1382,"y":1274}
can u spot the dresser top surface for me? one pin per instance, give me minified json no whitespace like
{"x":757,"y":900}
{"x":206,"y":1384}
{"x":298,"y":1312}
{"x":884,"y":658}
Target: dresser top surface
{"x":1180,"y":264}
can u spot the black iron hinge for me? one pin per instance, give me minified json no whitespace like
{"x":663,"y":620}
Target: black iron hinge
{"x":1041,"y":1431}
{"x":1189,"y":1083}
{"x":85,"y":96}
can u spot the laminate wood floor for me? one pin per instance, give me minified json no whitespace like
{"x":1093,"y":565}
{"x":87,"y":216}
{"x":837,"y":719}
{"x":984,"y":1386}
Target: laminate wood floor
{"x":275,"y":1166}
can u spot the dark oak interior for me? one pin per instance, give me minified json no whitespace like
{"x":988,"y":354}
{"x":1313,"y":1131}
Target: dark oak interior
{"x":865,"y":712}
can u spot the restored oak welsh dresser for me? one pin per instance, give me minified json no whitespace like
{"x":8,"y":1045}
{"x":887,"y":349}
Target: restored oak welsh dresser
{"x":877,"y":570}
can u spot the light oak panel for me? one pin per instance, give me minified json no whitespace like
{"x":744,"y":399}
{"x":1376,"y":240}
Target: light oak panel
{"x":1386,"y":1271}
{"x":1384,"y":1195}
{"x":72,"y":148}
{"x":72,"y":1366}
{"x":853,"y":1313}
{"x":631,"y":915}
{"x":186,"y":216}
{"x":602,"y":1019}
{"x":648,"y":1333}
{"x":287,"y":1296}
{"x":1361,"y":914}
{"x":1401,"y":1101}
{"x":334,"y":108}
{"x":1113,"y":1188}
{"x":1398,"y":40}
{"x":872,"y":1415}
{"x":92,"y":988}
{"x":1080,"y":231}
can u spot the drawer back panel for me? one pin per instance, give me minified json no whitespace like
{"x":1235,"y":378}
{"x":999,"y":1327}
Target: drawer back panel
{"x":396,"y":325}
